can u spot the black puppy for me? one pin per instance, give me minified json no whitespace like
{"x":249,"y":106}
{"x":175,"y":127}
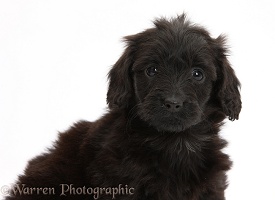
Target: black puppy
{"x":168,"y":95}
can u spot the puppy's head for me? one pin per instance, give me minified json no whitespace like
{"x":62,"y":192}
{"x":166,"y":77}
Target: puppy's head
{"x":174,"y":75}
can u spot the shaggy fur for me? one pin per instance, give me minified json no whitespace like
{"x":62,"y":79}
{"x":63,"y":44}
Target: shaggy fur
{"x":168,"y":95}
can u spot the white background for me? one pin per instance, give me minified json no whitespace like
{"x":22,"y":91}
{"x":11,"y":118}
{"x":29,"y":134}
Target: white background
{"x":54,"y":57}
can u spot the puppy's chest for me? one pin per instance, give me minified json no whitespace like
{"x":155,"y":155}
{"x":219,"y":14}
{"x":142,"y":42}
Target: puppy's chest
{"x":156,"y":172}
{"x":180,"y":170}
{"x":181,"y":165}
{"x":177,"y":177}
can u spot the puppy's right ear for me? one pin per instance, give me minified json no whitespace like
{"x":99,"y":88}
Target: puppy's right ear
{"x":120,"y":82}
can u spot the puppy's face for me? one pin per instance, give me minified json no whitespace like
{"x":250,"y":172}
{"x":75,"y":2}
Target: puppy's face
{"x":173,"y":75}
{"x":173,"y":80}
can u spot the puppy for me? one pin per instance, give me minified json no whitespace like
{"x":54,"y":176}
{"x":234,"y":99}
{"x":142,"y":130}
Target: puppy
{"x":168,"y":96}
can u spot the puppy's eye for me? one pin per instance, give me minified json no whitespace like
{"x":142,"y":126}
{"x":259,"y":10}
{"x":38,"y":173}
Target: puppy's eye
{"x":151,"y":71}
{"x":197,"y":74}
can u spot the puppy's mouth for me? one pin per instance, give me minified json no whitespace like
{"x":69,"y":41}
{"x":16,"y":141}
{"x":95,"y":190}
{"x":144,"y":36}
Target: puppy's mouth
{"x":167,"y":119}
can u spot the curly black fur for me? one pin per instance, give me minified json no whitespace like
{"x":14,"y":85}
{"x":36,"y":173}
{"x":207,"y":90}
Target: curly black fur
{"x":168,"y":95}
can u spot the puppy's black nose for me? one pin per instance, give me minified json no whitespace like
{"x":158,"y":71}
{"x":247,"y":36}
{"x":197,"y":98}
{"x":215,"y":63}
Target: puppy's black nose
{"x":173,"y":104}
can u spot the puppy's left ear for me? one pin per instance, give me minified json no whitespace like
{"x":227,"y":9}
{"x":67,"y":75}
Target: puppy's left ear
{"x":227,"y":85}
{"x":120,"y":88}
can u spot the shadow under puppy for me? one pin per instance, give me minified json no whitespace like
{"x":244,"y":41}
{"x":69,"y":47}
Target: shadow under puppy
{"x":168,"y":95}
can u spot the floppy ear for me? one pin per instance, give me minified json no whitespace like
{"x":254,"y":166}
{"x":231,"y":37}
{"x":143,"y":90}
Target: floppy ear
{"x":227,"y":83}
{"x":120,"y":83}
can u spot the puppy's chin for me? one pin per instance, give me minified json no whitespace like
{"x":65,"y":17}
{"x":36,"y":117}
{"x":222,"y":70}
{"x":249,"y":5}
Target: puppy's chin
{"x":165,"y":121}
{"x":171,"y":124}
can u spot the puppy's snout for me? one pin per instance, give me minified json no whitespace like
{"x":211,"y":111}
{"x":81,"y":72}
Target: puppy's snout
{"x":173,"y":104}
